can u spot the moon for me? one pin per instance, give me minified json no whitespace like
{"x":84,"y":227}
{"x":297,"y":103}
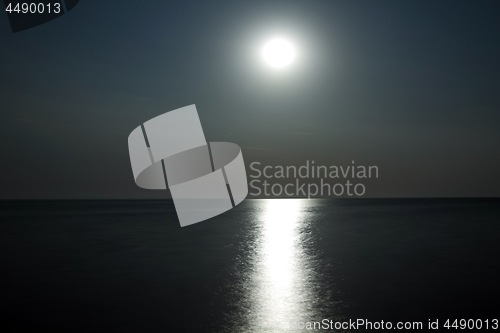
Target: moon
{"x":278,"y":53}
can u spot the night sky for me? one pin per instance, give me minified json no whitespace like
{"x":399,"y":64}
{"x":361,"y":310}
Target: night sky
{"x":412,"y":87}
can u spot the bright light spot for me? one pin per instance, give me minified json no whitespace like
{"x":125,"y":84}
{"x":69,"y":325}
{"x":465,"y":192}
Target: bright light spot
{"x":279,"y":277}
{"x":278,"y":53}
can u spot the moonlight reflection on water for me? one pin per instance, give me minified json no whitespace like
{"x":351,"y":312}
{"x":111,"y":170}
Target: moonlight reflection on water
{"x":279,"y":266}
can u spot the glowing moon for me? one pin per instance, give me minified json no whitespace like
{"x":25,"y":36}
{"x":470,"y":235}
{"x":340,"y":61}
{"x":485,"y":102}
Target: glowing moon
{"x":278,"y":53}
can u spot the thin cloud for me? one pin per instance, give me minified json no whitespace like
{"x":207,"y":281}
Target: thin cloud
{"x":255,"y":148}
{"x":302,"y":133}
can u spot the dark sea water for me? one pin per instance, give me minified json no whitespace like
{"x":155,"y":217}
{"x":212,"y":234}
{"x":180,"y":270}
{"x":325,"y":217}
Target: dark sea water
{"x":127,"y":266}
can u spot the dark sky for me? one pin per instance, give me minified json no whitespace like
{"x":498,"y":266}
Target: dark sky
{"x":410,"y":86}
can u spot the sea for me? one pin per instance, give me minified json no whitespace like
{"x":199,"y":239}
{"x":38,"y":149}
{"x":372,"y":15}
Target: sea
{"x":268,"y":265}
